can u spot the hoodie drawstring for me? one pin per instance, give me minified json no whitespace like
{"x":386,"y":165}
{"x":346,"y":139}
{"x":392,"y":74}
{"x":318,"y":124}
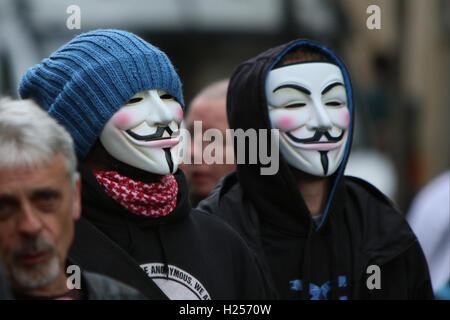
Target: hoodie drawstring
{"x":334,"y":262}
{"x":163,"y":250}
{"x":307,"y":266}
{"x":131,"y":244}
{"x":337,"y":261}
{"x":352,"y":292}
{"x":130,"y":236}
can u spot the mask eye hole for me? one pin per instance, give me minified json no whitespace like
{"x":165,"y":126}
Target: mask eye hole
{"x":134,"y":100}
{"x":295,"y":105}
{"x":166,"y":96}
{"x":333,"y":104}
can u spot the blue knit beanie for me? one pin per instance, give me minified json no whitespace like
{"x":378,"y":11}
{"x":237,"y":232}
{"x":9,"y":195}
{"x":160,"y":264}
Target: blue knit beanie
{"x":87,"y":80}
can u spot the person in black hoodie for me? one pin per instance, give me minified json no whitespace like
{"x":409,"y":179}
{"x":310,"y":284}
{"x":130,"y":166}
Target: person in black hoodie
{"x":308,"y":225}
{"x":121,"y":99}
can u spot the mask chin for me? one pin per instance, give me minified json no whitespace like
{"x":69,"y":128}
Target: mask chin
{"x":313,"y":162}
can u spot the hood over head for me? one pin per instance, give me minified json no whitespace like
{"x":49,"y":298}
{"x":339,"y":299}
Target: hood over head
{"x":247,"y":108}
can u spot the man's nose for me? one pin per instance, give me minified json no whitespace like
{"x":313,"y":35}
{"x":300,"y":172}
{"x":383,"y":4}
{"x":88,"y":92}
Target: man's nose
{"x":29,"y":222}
{"x":159,"y":112}
{"x":320,"y":120}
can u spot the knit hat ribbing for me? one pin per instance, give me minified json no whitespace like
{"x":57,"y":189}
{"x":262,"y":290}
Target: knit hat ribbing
{"x":87,"y":80}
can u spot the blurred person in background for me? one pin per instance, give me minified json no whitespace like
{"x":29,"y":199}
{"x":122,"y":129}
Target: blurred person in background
{"x":121,"y":99}
{"x":317,"y":233}
{"x":209,"y":108}
{"x":377,"y":104}
{"x":429,"y":217}
{"x":39,"y":203}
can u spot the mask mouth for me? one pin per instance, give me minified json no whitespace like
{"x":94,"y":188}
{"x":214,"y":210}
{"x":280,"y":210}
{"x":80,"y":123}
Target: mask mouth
{"x":158,"y":135}
{"x":316,"y":142}
{"x":156,"y":139}
{"x":316,"y":137}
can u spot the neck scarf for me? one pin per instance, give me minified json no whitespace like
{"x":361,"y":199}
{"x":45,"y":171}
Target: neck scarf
{"x":144,"y":199}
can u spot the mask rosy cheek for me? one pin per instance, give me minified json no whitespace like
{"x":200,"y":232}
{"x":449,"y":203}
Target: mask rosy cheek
{"x":122,"y":119}
{"x":179,"y":113}
{"x":346,"y":118}
{"x":284,"y":123}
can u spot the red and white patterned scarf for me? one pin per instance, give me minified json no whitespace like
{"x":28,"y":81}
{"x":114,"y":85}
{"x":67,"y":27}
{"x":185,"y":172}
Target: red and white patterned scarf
{"x":144,"y":199}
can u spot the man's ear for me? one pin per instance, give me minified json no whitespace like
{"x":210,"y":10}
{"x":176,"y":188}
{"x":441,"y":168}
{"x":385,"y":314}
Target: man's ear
{"x":77,"y":198}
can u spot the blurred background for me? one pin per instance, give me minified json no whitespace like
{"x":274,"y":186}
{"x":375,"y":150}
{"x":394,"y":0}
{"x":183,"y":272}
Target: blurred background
{"x":400,"y":72}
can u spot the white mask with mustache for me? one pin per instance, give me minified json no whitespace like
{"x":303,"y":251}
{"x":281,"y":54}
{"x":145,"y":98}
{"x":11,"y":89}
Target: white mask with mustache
{"x":144,"y":133}
{"x":307,"y":102}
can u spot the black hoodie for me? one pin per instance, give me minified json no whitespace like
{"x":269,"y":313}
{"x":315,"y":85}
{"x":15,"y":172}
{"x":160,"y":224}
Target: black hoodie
{"x":205,"y":258}
{"x":359,"y":226}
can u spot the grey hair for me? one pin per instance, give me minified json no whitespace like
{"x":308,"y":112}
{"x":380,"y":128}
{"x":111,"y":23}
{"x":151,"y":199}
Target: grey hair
{"x":29,"y":136}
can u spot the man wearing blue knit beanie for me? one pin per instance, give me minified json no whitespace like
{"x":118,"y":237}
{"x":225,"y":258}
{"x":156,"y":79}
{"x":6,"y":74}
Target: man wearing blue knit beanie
{"x":121,"y":100}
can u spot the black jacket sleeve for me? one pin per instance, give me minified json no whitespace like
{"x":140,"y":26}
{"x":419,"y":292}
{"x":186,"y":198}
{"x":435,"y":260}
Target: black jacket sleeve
{"x":405,"y":277}
{"x":5,"y":293}
{"x":419,"y":281}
